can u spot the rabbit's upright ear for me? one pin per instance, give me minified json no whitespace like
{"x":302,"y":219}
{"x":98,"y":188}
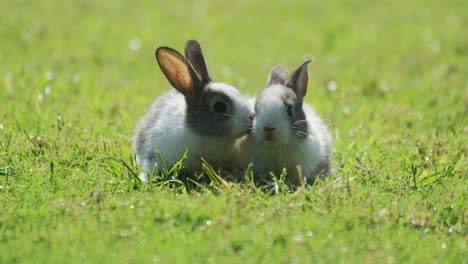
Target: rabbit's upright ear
{"x":277,"y":75}
{"x":194,"y":54}
{"x":298,"y":79}
{"x":178,"y":71}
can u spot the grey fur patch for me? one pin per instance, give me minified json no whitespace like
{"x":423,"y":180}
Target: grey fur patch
{"x":277,"y":75}
{"x":297,"y":117}
{"x":202,"y":118}
{"x":298,"y":124}
{"x":194,"y":55}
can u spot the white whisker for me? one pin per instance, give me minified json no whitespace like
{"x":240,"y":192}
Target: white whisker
{"x":300,"y":122}
{"x":301,"y":133}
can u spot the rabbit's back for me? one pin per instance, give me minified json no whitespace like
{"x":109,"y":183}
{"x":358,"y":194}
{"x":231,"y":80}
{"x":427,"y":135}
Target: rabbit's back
{"x":161,"y":128}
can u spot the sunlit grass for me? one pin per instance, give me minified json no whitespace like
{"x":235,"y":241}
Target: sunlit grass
{"x":388,"y":77}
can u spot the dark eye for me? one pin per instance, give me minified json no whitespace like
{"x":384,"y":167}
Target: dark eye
{"x":290,"y":110}
{"x":219,"y":107}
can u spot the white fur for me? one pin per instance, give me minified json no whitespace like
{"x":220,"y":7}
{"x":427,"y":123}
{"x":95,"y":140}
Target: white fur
{"x":285,"y":150}
{"x":271,"y":113}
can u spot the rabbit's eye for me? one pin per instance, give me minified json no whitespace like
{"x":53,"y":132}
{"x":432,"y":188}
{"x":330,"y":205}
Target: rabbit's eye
{"x":290,"y":110}
{"x":219,"y":107}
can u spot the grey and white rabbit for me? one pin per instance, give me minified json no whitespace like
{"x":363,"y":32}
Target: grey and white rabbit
{"x":286,"y":133}
{"x":203,"y":116}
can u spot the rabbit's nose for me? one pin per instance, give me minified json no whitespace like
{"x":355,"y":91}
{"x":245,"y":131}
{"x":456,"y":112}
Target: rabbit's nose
{"x":269,"y":132}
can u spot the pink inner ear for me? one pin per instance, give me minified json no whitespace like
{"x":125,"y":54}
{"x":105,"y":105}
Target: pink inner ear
{"x":176,"y":70}
{"x":185,"y":82}
{"x":302,"y":82}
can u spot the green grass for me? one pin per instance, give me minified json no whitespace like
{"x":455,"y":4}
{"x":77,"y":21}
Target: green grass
{"x":398,"y":193}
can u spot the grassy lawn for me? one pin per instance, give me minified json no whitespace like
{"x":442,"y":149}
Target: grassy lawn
{"x":389,"y":78}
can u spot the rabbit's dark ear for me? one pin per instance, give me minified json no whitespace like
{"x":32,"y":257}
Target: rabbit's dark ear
{"x":298,"y":79}
{"x":178,"y":71}
{"x":194,"y":54}
{"x":277,"y":75}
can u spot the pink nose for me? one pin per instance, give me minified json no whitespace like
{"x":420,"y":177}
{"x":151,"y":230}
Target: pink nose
{"x":269,"y":132}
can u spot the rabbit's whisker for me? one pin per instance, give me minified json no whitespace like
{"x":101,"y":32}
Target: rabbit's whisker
{"x":299,"y":122}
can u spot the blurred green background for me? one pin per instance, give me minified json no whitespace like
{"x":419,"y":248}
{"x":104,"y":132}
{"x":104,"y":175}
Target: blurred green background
{"x":101,"y":54}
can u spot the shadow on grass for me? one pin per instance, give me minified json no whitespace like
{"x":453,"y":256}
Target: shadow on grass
{"x":211,"y":179}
